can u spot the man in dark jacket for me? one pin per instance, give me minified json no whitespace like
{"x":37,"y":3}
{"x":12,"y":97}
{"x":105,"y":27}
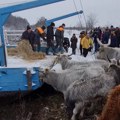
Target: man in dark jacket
{"x":74,"y":43}
{"x":50,"y":38}
{"x":59,"y":35}
{"x":29,"y":35}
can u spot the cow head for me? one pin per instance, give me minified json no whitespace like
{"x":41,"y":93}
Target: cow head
{"x":114,"y":70}
{"x":44,"y":74}
{"x":103,"y":49}
{"x":60,"y":59}
{"x":100,"y":54}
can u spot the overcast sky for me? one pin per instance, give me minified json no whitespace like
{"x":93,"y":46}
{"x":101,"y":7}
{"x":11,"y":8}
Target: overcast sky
{"x":105,"y":11}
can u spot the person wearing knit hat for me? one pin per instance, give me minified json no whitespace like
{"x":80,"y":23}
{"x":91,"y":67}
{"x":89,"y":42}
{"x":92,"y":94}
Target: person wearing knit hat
{"x":50,"y":38}
{"x":28,"y":27}
{"x":63,"y":25}
{"x":29,"y":35}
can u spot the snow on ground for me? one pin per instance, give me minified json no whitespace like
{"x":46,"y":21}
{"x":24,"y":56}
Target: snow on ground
{"x":14,"y":61}
{"x":19,"y":62}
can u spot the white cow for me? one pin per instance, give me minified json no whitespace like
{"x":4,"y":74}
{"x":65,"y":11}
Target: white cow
{"x":106,"y":51}
{"x":66,"y":63}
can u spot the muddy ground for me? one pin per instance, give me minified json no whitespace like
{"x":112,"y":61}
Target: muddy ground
{"x":42,"y":104}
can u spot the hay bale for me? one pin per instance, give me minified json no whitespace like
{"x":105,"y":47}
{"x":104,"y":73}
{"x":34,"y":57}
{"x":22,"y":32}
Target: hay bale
{"x":24,"y":49}
{"x":12,"y":51}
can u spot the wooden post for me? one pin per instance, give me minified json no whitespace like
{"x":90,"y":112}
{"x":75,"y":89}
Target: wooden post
{"x":29,"y":81}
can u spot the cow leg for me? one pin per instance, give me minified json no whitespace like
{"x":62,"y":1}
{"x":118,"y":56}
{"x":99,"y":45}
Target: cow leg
{"x":82,"y":112}
{"x":77,"y":108}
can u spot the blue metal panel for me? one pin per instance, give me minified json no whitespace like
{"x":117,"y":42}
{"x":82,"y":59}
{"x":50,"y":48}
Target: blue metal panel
{"x":27,"y":5}
{"x":3,"y":19}
{"x":14,"y":79}
{"x":2,"y":49}
{"x":63,"y":17}
{"x":2,"y":61}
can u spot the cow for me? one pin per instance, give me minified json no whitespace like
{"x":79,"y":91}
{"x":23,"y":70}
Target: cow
{"x":81,"y":89}
{"x":64,"y":78}
{"x":85,"y":91}
{"x":67,"y":63}
{"x":111,"y":110}
{"x":105,"y":51}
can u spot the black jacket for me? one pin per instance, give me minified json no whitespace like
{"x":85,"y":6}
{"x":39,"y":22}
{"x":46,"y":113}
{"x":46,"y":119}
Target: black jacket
{"x":74,"y":42}
{"x":50,"y":33}
{"x":66,"y":42}
{"x":28,"y":36}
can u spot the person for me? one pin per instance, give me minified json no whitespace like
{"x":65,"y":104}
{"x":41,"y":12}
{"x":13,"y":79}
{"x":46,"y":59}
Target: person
{"x":50,"y":38}
{"x":117,"y":32}
{"x":106,"y":36}
{"x":90,"y":43}
{"x":113,"y":38}
{"x":29,"y":35}
{"x":86,"y":45}
{"x":66,"y":44}
{"x":74,"y":43}
{"x":39,"y":34}
{"x":59,"y":35}
{"x":96,"y":36}
{"x":82,"y":35}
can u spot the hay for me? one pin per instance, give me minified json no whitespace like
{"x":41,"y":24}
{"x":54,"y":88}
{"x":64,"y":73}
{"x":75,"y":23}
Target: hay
{"x":25,"y":51}
{"x":12,"y":51}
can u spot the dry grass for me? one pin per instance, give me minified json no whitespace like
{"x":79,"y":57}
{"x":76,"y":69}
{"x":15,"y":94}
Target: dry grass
{"x":24,"y":49}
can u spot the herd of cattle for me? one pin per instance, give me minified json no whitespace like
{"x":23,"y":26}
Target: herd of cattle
{"x":82,"y":82}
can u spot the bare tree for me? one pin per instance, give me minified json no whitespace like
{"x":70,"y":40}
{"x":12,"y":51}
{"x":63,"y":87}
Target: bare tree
{"x":91,"y":21}
{"x":41,"y":22}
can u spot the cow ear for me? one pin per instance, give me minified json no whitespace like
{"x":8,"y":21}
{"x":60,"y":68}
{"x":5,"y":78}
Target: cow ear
{"x":46,"y":70}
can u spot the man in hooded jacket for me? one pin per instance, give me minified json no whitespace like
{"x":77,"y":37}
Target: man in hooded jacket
{"x":50,"y":38}
{"x":59,"y":35}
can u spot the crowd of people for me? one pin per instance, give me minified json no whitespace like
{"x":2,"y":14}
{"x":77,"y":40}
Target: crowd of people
{"x":88,"y":40}
{"x":105,"y":35}
{"x":58,"y":43}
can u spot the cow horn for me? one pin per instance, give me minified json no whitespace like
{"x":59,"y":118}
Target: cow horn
{"x":104,"y":45}
{"x":54,"y":62}
{"x":109,"y":42}
{"x":99,"y":42}
{"x":108,"y":59}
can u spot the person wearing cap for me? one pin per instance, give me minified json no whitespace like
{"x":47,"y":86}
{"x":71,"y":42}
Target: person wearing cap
{"x":39,"y":35}
{"x":50,"y":38}
{"x":59,"y":35}
{"x":29,"y":35}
